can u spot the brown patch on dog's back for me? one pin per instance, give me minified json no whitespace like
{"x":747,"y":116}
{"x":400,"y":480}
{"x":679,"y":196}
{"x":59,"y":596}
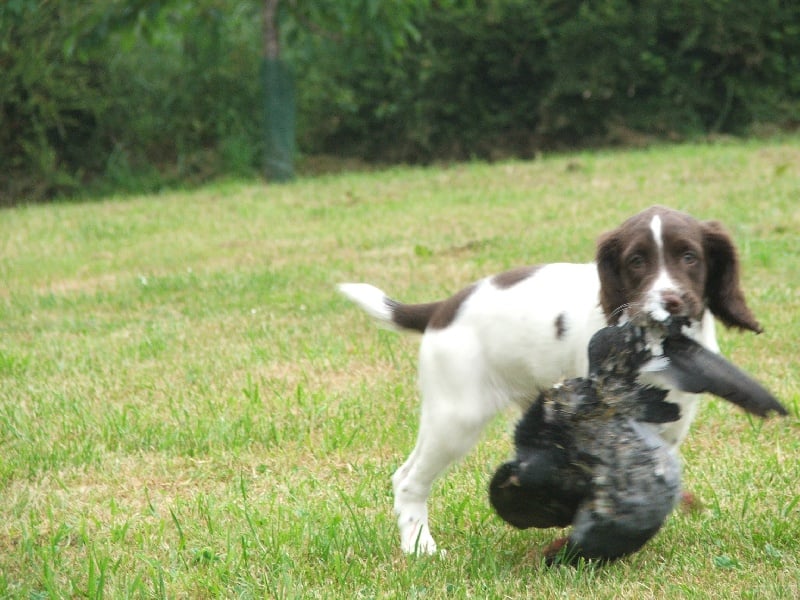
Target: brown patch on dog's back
{"x":512,"y":277}
{"x":448,"y":309}
{"x":438,"y":315}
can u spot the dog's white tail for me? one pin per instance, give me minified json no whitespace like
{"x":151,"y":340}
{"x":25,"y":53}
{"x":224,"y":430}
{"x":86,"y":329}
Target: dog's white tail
{"x":374,"y":301}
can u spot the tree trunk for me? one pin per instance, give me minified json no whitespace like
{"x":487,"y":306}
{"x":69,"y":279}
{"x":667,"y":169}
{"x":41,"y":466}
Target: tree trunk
{"x":272,"y":47}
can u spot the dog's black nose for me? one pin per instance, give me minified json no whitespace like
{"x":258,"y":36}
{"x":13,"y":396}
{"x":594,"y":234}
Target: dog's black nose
{"x":673,"y":303}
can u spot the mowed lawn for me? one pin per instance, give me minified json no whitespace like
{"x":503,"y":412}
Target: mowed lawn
{"x":188,"y":409}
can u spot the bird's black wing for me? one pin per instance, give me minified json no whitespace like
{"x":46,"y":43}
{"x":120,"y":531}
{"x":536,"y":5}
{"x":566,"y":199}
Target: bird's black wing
{"x":541,"y":487}
{"x":693,"y":368}
{"x":539,"y":491}
{"x":651,"y":406}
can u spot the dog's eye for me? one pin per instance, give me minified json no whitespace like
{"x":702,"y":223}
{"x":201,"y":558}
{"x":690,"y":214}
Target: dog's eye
{"x":689,"y":258}
{"x":636,"y":261}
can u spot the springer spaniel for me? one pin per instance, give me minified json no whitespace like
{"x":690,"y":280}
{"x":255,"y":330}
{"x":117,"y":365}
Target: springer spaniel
{"x":498,"y":341}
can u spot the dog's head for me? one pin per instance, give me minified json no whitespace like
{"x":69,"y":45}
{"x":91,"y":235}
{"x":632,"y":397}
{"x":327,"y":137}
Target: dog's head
{"x":662,"y":263}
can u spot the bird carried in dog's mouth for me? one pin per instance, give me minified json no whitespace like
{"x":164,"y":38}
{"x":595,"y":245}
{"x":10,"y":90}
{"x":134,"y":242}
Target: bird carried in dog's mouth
{"x":588,"y":453}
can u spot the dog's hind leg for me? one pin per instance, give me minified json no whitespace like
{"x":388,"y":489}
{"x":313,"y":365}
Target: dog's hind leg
{"x":410,"y":506}
{"x":439,"y":445}
{"x":456,"y":406}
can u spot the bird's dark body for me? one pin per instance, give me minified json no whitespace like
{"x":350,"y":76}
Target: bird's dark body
{"x":588,"y":451}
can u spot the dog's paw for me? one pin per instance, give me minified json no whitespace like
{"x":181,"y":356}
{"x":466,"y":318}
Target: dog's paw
{"x":690,"y":503}
{"x":554,"y":552}
{"x":418,"y":541}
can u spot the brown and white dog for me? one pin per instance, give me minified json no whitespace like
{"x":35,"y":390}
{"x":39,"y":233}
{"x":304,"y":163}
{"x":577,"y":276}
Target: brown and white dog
{"x":501,"y":340}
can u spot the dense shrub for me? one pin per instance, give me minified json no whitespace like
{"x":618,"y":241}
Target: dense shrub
{"x":50,"y":99}
{"x":128,"y":95}
{"x":516,"y":76}
{"x":190,"y":97}
{"x":472,"y":79}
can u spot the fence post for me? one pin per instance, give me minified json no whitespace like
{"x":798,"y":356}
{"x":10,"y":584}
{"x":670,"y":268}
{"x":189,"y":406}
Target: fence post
{"x":279,"y":102}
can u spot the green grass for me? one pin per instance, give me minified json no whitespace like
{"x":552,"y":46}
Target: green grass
{"x":189,"y":410}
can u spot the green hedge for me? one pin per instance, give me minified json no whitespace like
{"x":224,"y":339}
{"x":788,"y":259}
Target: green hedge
{"x":137,"y":94}
{"x":50,"y":100}
{"x":126,"y":94}
{"x":518,"y":76}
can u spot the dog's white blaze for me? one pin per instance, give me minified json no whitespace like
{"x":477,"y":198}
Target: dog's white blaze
{"x":655,"y":227}
{"x":663,"y":282}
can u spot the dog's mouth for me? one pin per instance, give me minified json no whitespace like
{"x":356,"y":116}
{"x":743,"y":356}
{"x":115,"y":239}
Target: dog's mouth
{"x":675,"y":325}
{"x":669,"y":326}
{"x":662,"y":309}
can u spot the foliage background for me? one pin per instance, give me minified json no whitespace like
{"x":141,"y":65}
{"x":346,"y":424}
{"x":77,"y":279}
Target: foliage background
{"x":135,"y":95}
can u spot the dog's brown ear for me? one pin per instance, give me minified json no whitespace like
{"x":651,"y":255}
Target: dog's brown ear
{"x":612,"y":290}
{"x":723,"y":292}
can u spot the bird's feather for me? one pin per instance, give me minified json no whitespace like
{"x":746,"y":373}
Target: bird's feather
{"x":693,"y":368}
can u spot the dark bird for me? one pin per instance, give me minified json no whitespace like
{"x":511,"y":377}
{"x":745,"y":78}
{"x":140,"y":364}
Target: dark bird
{"x":588,"y":451}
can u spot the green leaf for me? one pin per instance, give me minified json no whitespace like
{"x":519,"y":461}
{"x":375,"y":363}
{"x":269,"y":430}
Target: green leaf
{"x":726,"y":562}
{"x":422,"y":251}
